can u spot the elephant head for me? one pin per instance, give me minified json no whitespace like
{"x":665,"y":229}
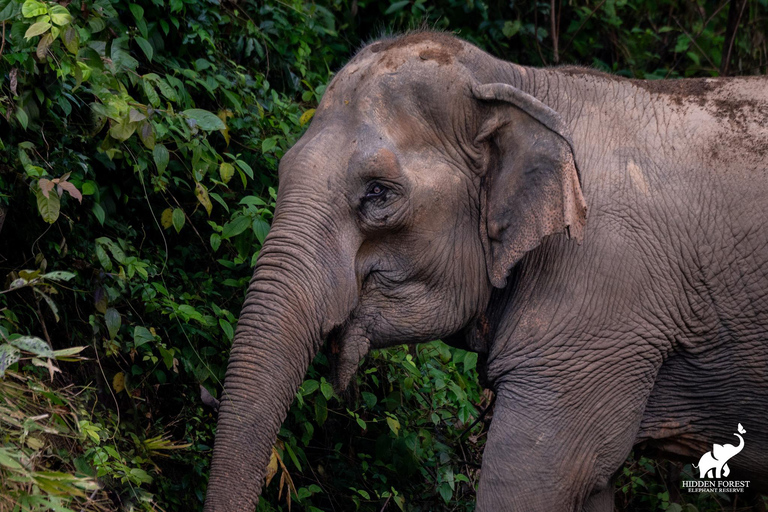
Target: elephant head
{"x":420,"y":182}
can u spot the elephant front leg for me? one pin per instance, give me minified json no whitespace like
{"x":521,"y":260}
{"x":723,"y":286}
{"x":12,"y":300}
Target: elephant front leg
{"x":542,"y":456}
{"x":601,"y":501}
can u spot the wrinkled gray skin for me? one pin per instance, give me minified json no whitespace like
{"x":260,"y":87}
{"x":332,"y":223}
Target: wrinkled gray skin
{"x":650,"y":332}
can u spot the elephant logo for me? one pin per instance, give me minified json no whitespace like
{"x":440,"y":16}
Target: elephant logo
{"x":713,"y":464}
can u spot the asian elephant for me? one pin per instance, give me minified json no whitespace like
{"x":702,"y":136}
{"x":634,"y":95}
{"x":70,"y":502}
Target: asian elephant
{"x":600,"y":242}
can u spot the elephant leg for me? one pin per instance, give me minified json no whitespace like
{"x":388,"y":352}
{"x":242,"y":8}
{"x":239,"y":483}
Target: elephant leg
{"x":601,"y":501}
{"x":541,"y":459}
{"x":726,"y":471}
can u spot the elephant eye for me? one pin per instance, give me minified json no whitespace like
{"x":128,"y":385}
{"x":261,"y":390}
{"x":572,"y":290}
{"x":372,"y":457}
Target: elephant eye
{"x":375,"y":190}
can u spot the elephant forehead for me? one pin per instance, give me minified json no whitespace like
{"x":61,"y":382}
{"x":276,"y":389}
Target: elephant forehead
{"x":436,"y":46}
{"x":412,"y":72}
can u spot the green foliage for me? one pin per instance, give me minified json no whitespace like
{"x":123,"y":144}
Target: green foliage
{"x":139,"y":144}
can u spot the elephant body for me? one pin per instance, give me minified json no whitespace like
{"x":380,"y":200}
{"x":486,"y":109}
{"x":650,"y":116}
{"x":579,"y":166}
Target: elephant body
{"x":442,"y":190}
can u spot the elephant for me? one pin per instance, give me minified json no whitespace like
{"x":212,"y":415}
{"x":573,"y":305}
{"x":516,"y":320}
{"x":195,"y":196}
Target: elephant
{"x":715,"y":462}
{"x":599,"y":241}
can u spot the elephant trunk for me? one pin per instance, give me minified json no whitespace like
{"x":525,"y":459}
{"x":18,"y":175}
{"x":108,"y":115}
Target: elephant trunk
{"x":300,"y":290}
{"x":740,"y":446}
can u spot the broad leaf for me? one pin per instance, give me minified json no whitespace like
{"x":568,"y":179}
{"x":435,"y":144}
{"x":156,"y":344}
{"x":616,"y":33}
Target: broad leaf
{"x":36,"y":29}
{"x":260,"y":229}
{"x":207,"y":121}
{"x":226,"y":171}
{"x":113,"y":320}
{"x":236,"y":226}
{"x":202,"y":195}
{"x":178,"y":219}
{"x":160,"y":154}
{"x":33,"y":8}
{"x":33,"y":345}
{"x":141,"y":335}
{"x":8,"y":356}
{"x":48,"y":207}
{"x":60,"y":16}
{"x":145,"y":47}
{"x":166,"y":218}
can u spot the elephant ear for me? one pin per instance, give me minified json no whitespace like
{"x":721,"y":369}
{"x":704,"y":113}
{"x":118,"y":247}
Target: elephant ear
{"x":719,"y":452}
{"x":531,"y":185}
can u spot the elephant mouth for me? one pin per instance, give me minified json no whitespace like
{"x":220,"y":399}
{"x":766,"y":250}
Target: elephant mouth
{"x":344,"y":348}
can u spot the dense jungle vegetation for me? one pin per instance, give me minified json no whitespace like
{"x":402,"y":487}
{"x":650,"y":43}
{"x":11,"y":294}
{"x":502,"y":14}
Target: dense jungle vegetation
{"x":139,"y":143}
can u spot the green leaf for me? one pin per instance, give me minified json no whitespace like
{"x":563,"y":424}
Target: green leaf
{"x":445,"y":492}
{"x":60,"y":15}
{"x":48,"y":207}
{"x":113,"y":320}
{"x":59,"y":275}
{"x":227,"y":328}
{"x":306,"y":116}
{"x":121,"y":57}
{"x":160,"y":154}
{"x":21,"y":116}
{"x":226,"y":171}
{"x":99,"y":213}
{"x":327,"y":390}
{"x":511,"y":28}
{"x":470,"y":361}
{"x":71,"y":40}
{"x":235,"y":227}
{"x":202,"y":196}
{"x":141,"y":335}
{"x":178,"y":219}
{"x":136,"y":115}
{"x":205,"y":120}
{"x":97,"y":24}
{"x":9,"y":9}
{"x":370,"y":399}
{"x":309,"y":386}
{"x":104,"y":260}
{"x":394,"y":425}
{"x":145,"y":47}
{"x":123,"y":130}
{"x":8,"y":356}
{"x":36,"y":29}
{"x":245,"y":168}
{"x":33,"y":345}
{"x":268,"y":144}
{"x":166,"y":90}
{"x":137,"y":11}
{"x":67,"y":352}
{"x":215,"y":241}
{"x":5,"y":459}
{"x":260,"y":229}
{"x":321,"y":409}
{"x":147,"y":135}
{"x":33,"y":8}
{"x":396,"y":7}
